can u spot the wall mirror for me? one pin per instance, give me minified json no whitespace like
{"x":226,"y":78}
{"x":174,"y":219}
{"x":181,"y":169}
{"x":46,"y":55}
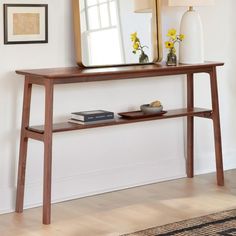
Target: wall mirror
{"x":117,"y":32}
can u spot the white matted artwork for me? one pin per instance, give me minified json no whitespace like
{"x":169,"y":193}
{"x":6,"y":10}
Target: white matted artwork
{"x":25,"y":23}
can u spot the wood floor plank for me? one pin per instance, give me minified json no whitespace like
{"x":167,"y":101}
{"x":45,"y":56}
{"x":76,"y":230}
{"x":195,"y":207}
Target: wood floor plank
{"x":129,"y":210}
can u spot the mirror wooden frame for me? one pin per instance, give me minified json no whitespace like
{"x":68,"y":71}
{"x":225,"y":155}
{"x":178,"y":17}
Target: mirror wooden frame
{"x":157,"y":39}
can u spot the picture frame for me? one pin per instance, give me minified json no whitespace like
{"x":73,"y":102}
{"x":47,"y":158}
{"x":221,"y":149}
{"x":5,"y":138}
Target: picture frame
{"x":25,"y":23}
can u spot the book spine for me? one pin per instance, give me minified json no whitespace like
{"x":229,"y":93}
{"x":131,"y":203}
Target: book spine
{"x":77,"y":117}
{"x":93,"y":117}
{"x":91,"y":122}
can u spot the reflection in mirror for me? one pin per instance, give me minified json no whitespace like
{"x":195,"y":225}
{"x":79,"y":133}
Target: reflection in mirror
{"x":116,"y":32}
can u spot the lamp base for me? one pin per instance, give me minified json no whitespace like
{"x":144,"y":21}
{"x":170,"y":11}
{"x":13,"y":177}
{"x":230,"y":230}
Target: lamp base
{"x":191,"y":49}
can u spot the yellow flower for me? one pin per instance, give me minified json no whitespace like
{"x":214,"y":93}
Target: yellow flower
{"x":181,"y":37}
{"x":169,"y":44}
{"x":172,"y":33}
{"x":136,"y":46}
{"x":133,"y":37}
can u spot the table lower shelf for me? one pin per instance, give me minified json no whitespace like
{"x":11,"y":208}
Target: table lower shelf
{"x":66,"y":126}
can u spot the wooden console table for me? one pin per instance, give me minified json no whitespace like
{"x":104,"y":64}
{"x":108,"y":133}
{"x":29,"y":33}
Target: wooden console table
{"x":50,"y":77}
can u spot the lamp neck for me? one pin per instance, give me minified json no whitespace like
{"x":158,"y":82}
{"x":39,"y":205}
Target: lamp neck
{"x":191,"y":8}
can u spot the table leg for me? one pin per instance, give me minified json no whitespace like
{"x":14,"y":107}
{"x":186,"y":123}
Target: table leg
{"x":217,"y":130}
{"x":48,"y":152}
{"x":23,"y":146}
{"x":190,"y":127}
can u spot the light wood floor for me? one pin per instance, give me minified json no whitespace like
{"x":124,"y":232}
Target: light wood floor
{"x":129,"y":210}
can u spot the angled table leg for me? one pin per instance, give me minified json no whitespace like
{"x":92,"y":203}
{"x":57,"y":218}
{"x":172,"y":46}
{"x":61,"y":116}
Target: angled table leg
{"x":23,"y":146}
{"x":48,"y":152}
{"x":190,"y":127}
{"x":216,"y":125}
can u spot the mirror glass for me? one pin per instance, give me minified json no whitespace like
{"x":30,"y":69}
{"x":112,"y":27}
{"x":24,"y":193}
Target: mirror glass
{"x":116,"y":32}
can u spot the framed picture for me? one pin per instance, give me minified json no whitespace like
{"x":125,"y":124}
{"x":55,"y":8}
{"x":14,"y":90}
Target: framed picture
{"x":25,"y":23}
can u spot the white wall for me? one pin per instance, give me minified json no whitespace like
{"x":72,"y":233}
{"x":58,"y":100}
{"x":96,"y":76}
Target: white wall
{"x":104,"y":159}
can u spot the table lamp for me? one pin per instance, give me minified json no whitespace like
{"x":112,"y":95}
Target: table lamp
{"x":192,"y":48}
{"x":143,"y":6}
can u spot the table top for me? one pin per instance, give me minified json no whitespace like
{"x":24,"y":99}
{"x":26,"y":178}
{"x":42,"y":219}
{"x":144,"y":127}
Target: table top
{"x":77,"y":74}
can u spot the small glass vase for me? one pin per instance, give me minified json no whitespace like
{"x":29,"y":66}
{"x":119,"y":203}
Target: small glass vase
{"x":171,"y":59}
{"x":143,"y":58}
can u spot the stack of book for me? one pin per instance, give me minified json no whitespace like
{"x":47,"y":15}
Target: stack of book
{"x":91,"y":117}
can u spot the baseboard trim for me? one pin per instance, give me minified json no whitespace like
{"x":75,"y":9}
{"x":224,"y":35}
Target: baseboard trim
{"x":101,"y":181}
{"x":95,"y":183}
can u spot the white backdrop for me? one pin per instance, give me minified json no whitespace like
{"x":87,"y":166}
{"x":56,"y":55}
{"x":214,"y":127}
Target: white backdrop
{"x":105,"y":159}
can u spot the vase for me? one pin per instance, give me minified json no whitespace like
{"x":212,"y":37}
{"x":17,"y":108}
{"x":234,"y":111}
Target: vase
{"x":143,"y":58}
{"x":171,"y":59}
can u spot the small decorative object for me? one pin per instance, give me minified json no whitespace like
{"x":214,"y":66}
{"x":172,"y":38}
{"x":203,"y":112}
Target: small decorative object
{"x":25,"y":23}
{"x":140,"y":114}
{"x":170,"y":44}
{"x":152,"y":108}
{"x":137,"y":46}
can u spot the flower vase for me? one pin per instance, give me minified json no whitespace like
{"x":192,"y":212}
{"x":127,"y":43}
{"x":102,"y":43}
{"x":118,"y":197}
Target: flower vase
{"x":171,"y":59}
{"x":143,"y":58}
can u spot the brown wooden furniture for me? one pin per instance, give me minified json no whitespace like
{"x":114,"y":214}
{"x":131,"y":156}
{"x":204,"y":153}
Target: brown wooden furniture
{"x":50,"y":77}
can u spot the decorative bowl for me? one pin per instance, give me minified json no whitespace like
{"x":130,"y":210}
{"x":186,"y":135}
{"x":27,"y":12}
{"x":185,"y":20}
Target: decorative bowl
{"x":147,"y":109}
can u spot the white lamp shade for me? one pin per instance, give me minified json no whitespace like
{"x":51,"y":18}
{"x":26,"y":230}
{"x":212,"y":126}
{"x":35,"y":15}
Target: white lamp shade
{"x":143,"y":6}
{"x":188,"y":3}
